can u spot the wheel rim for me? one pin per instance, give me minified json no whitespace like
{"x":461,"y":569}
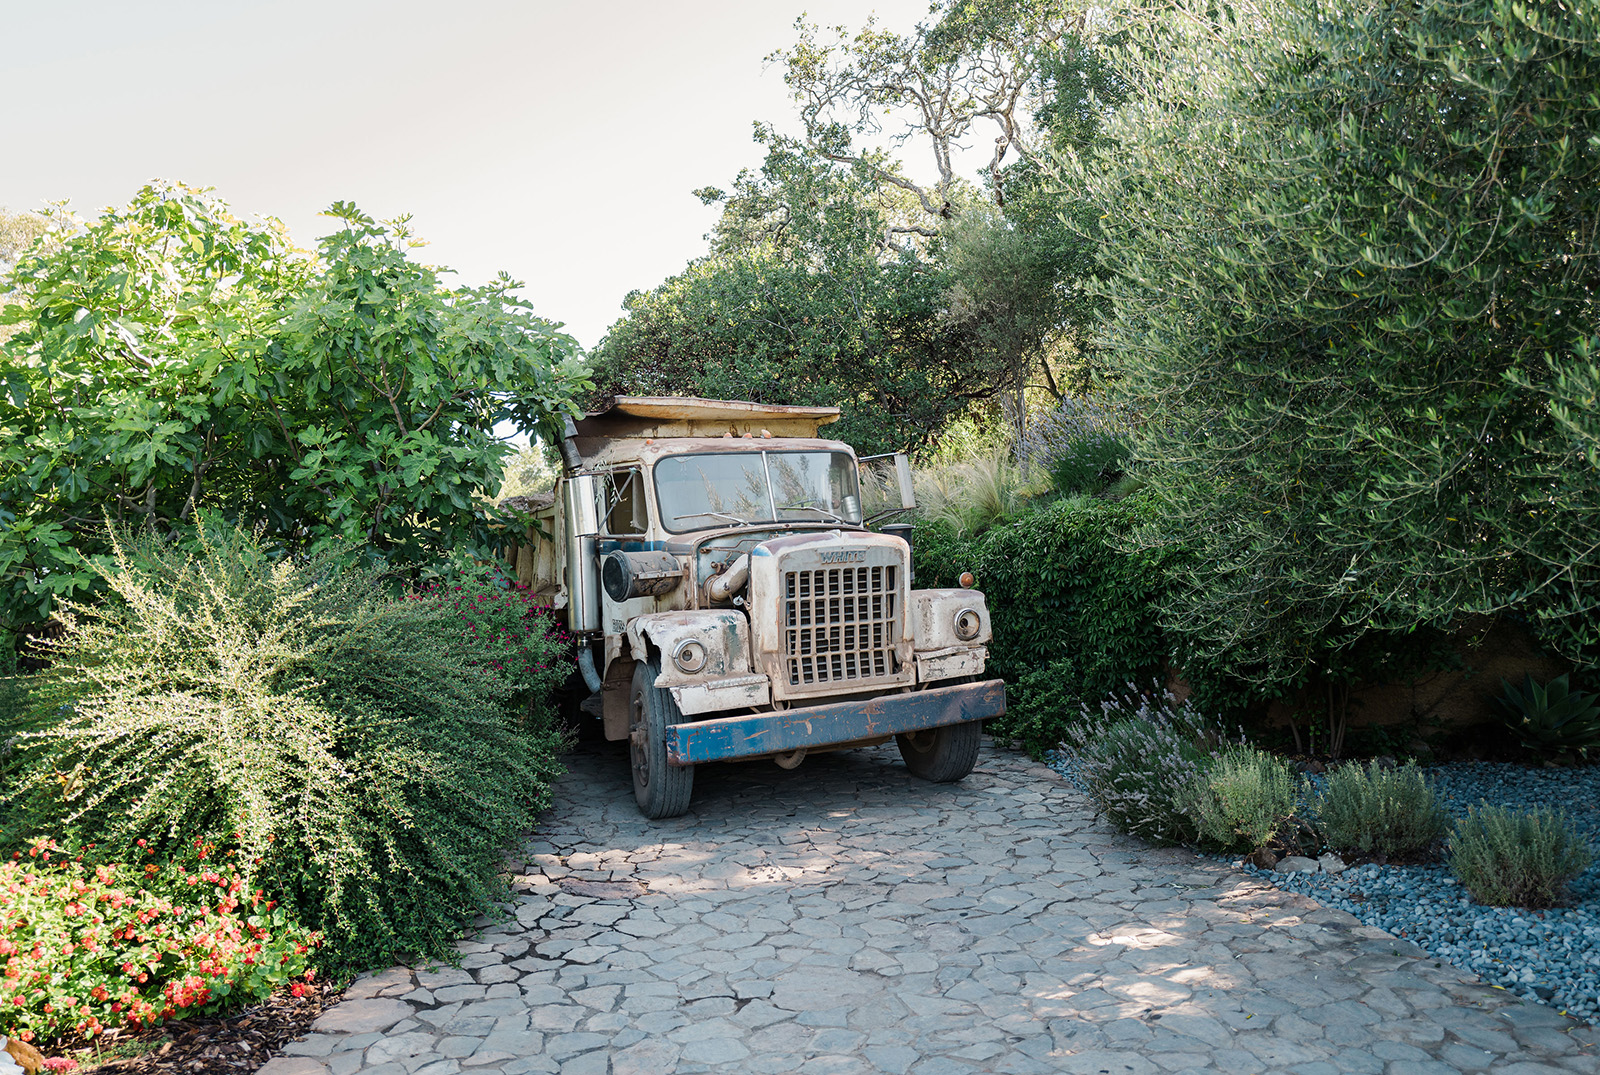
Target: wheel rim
{"x":637,"y":743}
{"x":921,"y":742}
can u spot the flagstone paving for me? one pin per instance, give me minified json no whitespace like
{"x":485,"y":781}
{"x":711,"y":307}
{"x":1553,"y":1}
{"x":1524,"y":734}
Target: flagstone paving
{"x":848,"y":918}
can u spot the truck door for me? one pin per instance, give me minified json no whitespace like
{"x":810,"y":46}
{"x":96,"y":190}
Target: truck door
{"x":625,"y":525}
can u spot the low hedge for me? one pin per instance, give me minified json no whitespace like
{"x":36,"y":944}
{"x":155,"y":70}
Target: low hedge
{"x":368,"y":758}
{"x":1073,"y":605}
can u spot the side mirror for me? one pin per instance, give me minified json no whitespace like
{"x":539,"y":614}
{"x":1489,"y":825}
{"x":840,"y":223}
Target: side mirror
{"x":902,"y":473}
{"x":886,"y":487}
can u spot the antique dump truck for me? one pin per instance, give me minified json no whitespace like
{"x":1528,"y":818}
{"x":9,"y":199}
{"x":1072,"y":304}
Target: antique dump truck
{"x":714,"y":561}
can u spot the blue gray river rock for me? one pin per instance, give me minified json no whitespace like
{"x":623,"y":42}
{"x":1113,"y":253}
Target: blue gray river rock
{"x":1551,"y":956}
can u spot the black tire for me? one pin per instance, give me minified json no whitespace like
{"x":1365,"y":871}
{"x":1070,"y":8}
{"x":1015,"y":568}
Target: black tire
{"x":942,"y":755}
{"x":661,"y":790}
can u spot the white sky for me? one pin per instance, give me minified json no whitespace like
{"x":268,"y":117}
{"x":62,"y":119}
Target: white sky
{"x":556,"y":141}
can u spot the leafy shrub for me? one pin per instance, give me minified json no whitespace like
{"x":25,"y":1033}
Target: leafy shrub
{"x":1139,"y":759}
{"x":363,"y":750}
{"x":1551,"y":719}
{"x":1082,"y":444}
{"x":1378,"y":811}
{"x":505,"y":628}
{"x":92,"y":948}
{"x":13,"y":692}
{"x":1514,"y":858}
{"x":1040,"y":709}
{"x":1244,"y":800}
{"x":1065,"y":596}
{"x":343,"y":400}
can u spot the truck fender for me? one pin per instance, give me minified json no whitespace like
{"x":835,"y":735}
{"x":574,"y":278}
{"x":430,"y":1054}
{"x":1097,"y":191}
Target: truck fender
{"x":934,"y":615}
{"x":724,"y":635}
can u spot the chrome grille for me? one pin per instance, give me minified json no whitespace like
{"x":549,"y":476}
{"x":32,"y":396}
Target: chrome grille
{"x":840,"y":624}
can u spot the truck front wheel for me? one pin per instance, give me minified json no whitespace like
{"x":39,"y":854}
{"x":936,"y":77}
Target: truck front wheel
{"x":942,"y":755}
{"x":661,"y":790}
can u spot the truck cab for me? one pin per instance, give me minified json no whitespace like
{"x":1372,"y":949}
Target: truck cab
{"x":713,"y":559}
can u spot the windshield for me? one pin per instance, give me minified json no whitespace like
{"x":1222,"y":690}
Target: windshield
{"x":698,"y":492}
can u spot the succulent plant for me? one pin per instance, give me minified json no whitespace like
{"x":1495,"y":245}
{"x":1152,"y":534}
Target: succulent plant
{"x":1551,"y":718}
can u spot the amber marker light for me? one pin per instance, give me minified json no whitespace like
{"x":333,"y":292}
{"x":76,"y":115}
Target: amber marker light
{"x":967,"y":581}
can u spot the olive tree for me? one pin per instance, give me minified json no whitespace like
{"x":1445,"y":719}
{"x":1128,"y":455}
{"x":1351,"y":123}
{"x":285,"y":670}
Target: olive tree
{"x":1351,"y":251}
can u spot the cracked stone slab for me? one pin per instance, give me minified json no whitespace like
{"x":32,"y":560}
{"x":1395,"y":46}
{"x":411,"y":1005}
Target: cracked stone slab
{"x":846,"y":917}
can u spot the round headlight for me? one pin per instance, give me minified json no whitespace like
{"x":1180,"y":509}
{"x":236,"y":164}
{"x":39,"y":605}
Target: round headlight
{"x":689,"y":656}
{"x":968,"y":623}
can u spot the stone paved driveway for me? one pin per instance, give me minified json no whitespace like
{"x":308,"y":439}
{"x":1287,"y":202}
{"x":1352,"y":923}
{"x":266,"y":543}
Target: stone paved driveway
{"x":846,"y":917}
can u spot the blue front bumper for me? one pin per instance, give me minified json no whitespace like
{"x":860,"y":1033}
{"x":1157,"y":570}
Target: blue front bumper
{"x":725,"y":738}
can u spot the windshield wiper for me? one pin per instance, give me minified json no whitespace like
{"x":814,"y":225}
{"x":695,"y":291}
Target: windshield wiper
{"x":813,"y":507}
{"x":736,"y":521}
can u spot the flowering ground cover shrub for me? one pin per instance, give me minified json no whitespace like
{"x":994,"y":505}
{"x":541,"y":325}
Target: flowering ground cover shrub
{"x":1140,"y":759}
{"x":1082,"y":444}
{"x":87,"y":948}
{"x":366,"y":751}
{"x":505,"y":628}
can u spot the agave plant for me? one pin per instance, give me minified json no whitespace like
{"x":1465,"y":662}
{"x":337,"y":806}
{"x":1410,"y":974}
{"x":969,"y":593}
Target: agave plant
{"x":1551,"y":718}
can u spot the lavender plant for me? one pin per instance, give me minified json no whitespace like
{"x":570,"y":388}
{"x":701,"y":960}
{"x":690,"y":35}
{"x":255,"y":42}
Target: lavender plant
{"x":1378,"y":811}
{"x":1082,"y":445}
{"x":1141,"y":758}
{"x":1517,"y":858}
{"x":1246,"y":800}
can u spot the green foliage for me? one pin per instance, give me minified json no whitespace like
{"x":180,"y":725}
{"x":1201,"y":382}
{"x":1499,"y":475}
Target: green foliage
{"x":1139,"y":759}
{"x":835,"y":276}
{"x":1511,"y":858}
{"x":802,"y":301}
{"x":1550,"y":719}
{"x":1007,"y":293}
{"x":1356,"y":289}
{"x":18,"y":231}
{"x":504,"y":627}
{"x":169,"y":359}
{"x":1041,"y":707}
{"x":113,"y":946}
{"x":362,"y":751}
{"x":1244,"y":800}
{"x":1565,"y":469}
{"x":1081,"y":443}
{"x":1064,"y":595}
{"x":1378,"y":811}
{"x":13,"y":691}
{"x":529,"y":472}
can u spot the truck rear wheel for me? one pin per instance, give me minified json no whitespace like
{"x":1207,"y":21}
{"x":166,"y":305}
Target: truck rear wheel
{"x":661,"y":790}
{"x":942,"y":755}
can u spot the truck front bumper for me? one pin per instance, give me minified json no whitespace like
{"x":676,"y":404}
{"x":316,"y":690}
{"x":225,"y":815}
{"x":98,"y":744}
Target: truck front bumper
{"x":726,"y":738}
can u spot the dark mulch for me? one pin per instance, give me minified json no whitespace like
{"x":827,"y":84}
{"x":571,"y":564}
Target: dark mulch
{"x":234,"y":1044}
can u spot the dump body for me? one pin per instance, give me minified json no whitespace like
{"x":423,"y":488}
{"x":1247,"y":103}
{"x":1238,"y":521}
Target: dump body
{"x":725,"y":546}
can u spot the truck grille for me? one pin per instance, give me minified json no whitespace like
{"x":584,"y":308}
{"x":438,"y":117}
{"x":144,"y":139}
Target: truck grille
{"x":840,"y":624}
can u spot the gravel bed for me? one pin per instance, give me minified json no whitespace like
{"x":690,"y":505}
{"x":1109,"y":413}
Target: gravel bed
{"x":1551,"y":956}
